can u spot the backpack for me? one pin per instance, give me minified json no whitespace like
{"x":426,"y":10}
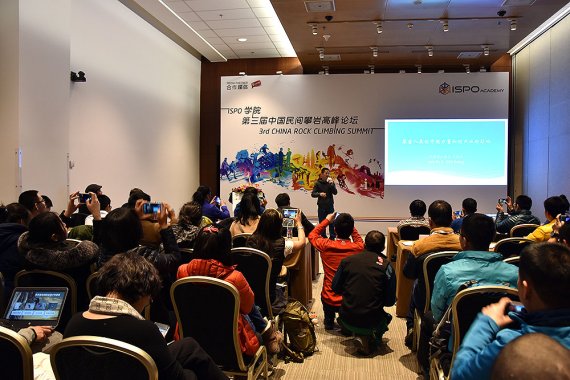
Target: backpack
{"x":300,"y":338}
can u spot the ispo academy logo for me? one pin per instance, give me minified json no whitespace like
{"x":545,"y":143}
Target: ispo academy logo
{"x":445,"y":88}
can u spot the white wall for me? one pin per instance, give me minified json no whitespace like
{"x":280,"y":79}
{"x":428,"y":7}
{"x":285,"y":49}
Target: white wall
{"x":135,"y":122}
{"x":542,"y":111}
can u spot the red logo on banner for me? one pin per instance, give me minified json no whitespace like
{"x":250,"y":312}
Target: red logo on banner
{"x":257,"y":83}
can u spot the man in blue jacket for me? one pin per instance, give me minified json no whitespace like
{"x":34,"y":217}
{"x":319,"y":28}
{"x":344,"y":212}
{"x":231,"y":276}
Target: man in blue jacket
{"x":544,"y":290}
{"x":475,"y":262}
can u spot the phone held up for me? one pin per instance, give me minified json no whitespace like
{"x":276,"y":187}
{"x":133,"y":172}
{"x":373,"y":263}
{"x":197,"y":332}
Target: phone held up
{"x":516,"y":307}
{"x":503,"y":201}
{"x":290,"y":213}
{"x":84,"y":197}
{"x":151,"y":208}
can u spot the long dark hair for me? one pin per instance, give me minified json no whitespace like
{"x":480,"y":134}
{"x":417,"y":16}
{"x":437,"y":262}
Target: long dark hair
{"x":268,"y":230}
{"x":214,"y":243}
{"x":201,"y":194}
{"x":43,"y":226}
{"x":121,"y":230}
{"x":250,"y":208}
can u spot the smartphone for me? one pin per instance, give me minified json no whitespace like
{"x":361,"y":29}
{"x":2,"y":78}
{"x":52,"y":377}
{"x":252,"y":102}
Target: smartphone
{"x":218,"y":201}
{"x":290,"y":213}
{"x":517,"y":307}
{"x":151,"y":208}
{"x":457,"y":213}
{"x":84,"y":197}
{"x":336,"y":216}
{"x":502,"y":201}
{"x":162,"y":328}
{"x":564,"y":218}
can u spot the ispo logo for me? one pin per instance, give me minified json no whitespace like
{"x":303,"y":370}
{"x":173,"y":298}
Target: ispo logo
{"x":444,"y":88}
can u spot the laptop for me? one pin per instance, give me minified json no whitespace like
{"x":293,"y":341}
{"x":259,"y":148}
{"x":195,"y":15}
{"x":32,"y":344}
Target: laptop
{"x":34,"y":306}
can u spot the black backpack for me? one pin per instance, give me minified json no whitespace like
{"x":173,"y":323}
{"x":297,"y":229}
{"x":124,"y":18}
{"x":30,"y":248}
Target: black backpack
{"x":300,"y":338}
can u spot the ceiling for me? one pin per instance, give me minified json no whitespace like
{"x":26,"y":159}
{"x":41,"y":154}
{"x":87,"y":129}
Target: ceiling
{"x":347,"y":40}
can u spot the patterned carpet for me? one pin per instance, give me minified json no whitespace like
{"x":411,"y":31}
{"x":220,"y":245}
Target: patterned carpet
{"x":336,"y":359}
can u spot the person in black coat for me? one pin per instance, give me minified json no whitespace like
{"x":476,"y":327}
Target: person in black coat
{"x":14,"y":220}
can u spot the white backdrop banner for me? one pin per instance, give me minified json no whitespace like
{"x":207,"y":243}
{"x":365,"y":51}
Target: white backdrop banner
{"x":279,"y":131}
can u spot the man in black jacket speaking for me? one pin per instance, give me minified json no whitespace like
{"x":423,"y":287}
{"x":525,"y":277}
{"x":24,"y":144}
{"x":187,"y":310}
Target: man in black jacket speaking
{"x":367,"y":283}
{"x":324,"y":190}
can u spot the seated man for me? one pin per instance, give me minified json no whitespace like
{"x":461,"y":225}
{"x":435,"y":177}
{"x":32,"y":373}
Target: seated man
{"x":553,"y":206}
{"x":367,"y":284}
{"x":544,"y":290}
{"x":519,"y":213}
{"x":332,"y":253}
{"x":417,"y":212}
{"x":475,"y":262}
{"x":468,"y":207}
{"x":441,"y":238}
{"x":283,"y":201}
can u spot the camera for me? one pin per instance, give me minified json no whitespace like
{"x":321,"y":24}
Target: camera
{"x":502,"y":201}
{"x":501,"y":13}
{"x":151,"y":208}
{"x":457,"y":214}
{"x":290,"y":213}
{"x":84,"y":197}
{"x":564,"y":218}
{"x":517,"y":307}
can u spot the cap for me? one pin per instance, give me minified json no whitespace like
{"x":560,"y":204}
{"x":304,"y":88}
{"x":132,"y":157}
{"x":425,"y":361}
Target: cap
{"x":93,"y":188}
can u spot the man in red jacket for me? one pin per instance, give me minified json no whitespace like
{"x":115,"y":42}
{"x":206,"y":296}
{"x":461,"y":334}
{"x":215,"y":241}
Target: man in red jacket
{"x":332,"y":253}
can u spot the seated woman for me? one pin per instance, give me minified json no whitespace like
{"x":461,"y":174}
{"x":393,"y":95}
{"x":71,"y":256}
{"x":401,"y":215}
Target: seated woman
{"x":553,"y":206}
{"x":213,"y":249}
{"x":210,"y":208}
{"x":267,"y":238}
{"x":188,"y":226}
{"x":248,"y":218}
{"x":129,"y":282}
{"x":44,"y":246}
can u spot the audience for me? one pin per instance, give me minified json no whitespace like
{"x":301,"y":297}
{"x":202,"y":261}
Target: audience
{"x":441,"y":238}
{"x":417,"y":212}
{"x":33,"y":201}
{"x":332,"y":253}
{"x":210,"y":208}
{"x":188,"y":226}
{"x":283,"y":201}
{"x":213,"y":249}
{"x":519,"y":213}
{"x":250,"y":211}
{"x":105,"y":205}
{"x":14,"y":220}
{"x":267,"y":238}
{"x":468,"y":207}
{"x":48,"y":202}
{"x":250,"y":190}
{"x":544,"y":290}
{"x":128,"y":283}
{"x":553,"y":206}
{"x":367,"y":283}
{"x":514,"y":360}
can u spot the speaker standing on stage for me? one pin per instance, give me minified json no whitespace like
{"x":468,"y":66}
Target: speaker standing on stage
{"x":324,"y":190}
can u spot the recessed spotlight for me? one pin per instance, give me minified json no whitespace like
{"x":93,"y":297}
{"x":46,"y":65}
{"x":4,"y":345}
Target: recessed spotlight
{"x":379,"y":28}
{"x":430,"y":50}
{"x":242,"y":39}
{"x":513,"y":25}
{"x":374,"y":51}
{"x":445,"y":26}
{"x":419,"y":69}
{"x":314,"y":30}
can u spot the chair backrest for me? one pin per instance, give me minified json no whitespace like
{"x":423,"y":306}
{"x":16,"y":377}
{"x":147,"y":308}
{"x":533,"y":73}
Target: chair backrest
{"x":511,"y":246}
{"x":412,"y":232}
{"x":239,"y":240}
{"x":16,"y":355}
{"x":469,"y":302}
{"x":431,"y":265}
{"x":523,"y":230}
{"x":91,"y":285}
{"x":93,"y":357}
{"x":255,"y":265}
{"x":46,"y":278}
{"x":513,"y":260}
{"x":207,"y":309}
{"x":226,"y":223}
{"x":186,"y":255}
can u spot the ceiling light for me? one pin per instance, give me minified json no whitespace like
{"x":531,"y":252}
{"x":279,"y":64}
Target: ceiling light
{"x":279,"y":72}
{"x":321,"y":53}
{"x":467,"y":69}
{"x":440,"y":71}
{"x":326,"y":37}
{"x":314,"y":29}
{"x":402,"y":71}
{"x":419,"y":69}
{"x":410,"y":25}
{"x":371,"y":69}
{"x":482,"y":70}
{"x":242,"y":39}
{"x":374,"y":51}
{"x":513,"y":25}
{"x":445,"y":26}
{"x":326,"y":68}
{"x":242,"y":73}
{"x":430,"y":50}
{"x":486,"y":50}
{"x":379,"y":28}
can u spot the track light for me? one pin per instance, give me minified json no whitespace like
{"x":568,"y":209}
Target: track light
{"x":486,"y":50}
{"x":321,"y":53}
{"x":371,"y":69}
{"x":374,"y":51}
{"x":410,"y":25}
{"x":513,"y":25}
{"x":78,"y":77}
{"x":379,"y":28}
{"x":445,"y":26}
{"x":419,"y":69}
{"x":279,"y":72}
{"x":467,"y":69}
{"x":242,"y":73}
{"x":430,"y":50}
{"x":314,"y":29}
{"x":326,"y":68}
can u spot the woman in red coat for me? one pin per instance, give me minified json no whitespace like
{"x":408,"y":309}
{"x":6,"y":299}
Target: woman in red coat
{"x":213,"y":251}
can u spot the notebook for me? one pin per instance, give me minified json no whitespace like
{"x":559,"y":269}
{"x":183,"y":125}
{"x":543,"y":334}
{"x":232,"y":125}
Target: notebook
{"x":36,"y":306}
